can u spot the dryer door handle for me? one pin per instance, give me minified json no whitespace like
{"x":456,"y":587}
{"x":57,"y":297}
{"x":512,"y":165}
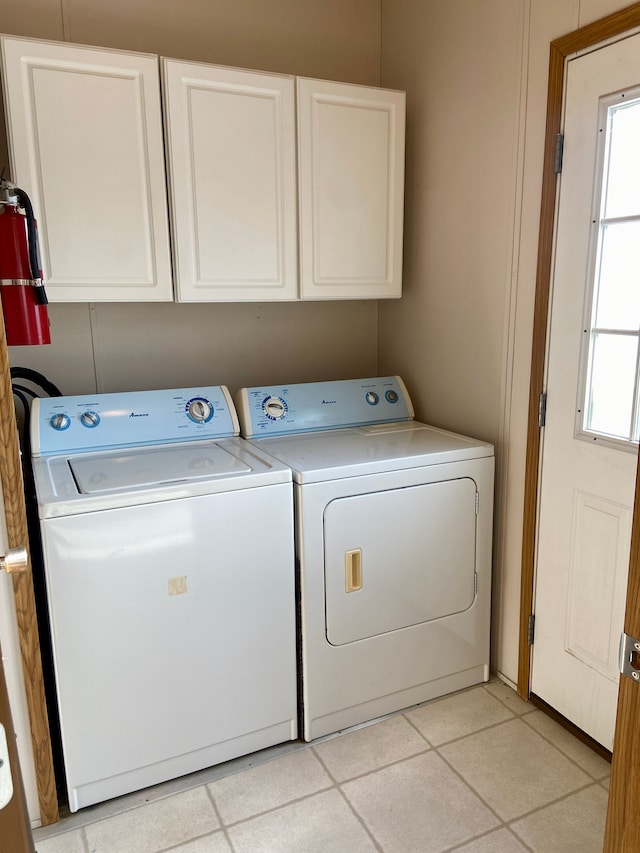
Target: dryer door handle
{"x":353,"y":570}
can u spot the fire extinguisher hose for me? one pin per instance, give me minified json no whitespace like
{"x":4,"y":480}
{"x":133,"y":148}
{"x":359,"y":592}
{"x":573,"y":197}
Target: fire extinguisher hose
{"x":34,"y":262}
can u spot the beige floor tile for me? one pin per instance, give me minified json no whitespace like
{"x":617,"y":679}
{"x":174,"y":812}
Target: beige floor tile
{"x":500,"y":841}
{"x":271,"y":785}
{"x":584,"y":757}
{"x":156,"y":826}
{"x":215,"y":843}
{"x":418,"y":806}
{"x":574,"y":825}
{"x":513,"y":769}
{"x":370,"y":748}
{"x":605,"y":783}
{"x":458,"y":715}
{"x":323,"y":823}
{"x":68,"y":842}
{"x":509,"y":696}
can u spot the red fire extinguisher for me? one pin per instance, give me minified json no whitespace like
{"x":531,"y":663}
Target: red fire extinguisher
{"x":24,"y":301}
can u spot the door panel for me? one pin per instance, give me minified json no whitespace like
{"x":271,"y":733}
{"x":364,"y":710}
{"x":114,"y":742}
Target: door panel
{"x":231,"y":149}
{"x":413,"y":552}
{"x":85,"y":138}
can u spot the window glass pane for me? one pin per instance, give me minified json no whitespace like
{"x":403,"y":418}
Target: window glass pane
{"x":613,"y":369}
{"x":623,"y":184}
{"x":618,"y":287}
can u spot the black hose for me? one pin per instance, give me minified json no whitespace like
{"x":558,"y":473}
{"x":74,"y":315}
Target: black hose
{"x":37,"y":378}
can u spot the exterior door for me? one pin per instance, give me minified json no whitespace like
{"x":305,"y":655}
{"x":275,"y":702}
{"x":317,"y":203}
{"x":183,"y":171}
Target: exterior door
{"x":623,"y":817}
{"x":15,"y":831}
{"x":589,"y":444}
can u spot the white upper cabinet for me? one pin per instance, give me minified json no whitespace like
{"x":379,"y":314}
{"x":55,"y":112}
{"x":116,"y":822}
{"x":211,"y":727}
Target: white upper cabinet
{"x":85,"y":139}
{"x":351,"y":190}
{"x":262,"y":208}
{"x":230,"y":138}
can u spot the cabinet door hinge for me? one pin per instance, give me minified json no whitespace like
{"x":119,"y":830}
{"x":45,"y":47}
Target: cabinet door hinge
{"x":542,"y":409}
{"x":477,"y":502}
{"x":531,"y":629}
{"x":557,"y":165}
{"x":475,"y":584}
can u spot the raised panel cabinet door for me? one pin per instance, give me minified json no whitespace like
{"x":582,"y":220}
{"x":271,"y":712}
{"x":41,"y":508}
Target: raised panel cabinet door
{"x":230,"y":138}
{"x":85,"y":139}
{"x":351,"y":185}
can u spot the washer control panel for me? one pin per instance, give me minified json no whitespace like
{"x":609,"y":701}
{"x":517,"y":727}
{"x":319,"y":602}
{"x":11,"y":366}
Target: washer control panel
{"x":315,"y":406}
{"x":129,"y":419}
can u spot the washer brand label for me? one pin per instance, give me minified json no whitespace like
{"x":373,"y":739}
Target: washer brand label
{"x":328,"y":402}
{"x":139,"y":415}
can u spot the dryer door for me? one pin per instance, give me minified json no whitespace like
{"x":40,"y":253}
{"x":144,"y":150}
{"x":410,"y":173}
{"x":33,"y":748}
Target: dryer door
{"x":399,"y":558}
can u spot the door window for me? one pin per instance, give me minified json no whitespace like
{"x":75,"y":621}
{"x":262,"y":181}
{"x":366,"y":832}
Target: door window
{"x":609,"y":396}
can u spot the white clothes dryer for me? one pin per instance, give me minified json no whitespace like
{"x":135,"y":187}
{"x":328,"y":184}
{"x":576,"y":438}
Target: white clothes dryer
{"x":169,"y":566}
{"x":393,"y":537}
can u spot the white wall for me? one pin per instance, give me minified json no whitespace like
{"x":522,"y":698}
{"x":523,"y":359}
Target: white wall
{"x":476,"y":81}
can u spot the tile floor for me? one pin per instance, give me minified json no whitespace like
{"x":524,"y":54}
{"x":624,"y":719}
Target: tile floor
{"x":479,"y":771}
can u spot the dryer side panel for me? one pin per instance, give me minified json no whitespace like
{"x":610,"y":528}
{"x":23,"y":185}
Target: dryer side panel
{"x":399,"y":558}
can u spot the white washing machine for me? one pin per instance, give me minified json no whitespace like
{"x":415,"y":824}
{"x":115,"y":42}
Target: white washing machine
{"x":169,"y":564}
{"x":393,"y":537}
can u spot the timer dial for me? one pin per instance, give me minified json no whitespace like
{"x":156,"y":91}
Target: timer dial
{"x":274,"y":408}
{"x":372,"y":398}
{"x":60,"y":421}
{"x":200,"y":410}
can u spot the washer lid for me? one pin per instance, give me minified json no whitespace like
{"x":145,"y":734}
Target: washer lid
{"x":112,"y":479}
{"x":98,"y":473}
{"x":332,"y":454}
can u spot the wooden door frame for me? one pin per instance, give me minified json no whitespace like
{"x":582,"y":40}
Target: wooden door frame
{"x":17,"y":535}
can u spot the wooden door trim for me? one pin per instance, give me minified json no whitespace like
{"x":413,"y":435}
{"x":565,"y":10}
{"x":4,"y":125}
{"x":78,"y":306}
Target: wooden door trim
{"x":17,"y":534}
{"x":596,"y":33}
{"x":622,"y":833}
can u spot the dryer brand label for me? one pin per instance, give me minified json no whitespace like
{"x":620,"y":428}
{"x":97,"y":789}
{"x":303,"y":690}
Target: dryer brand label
{"x":139,"y":415}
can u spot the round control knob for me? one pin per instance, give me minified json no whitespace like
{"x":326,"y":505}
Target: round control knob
{"x":392,"y":396}
{"x":90,"y":419}
{"x":274,"y":408}
{"x":200,"y":410}
{"x":372,"y":398}
{"x":60,"y":421}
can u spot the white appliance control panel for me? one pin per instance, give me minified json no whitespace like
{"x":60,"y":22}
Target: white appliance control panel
{"x":313,"y":406}
{"x":130,"y":419}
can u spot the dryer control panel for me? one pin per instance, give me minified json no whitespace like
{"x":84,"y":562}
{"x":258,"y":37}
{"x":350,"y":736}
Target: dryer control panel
{"x":312,"y":406}
{"x":131,"y":419}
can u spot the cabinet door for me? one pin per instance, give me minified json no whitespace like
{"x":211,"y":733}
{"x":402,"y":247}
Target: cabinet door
{"x":351,"y":171}
{"x":85,"y":139}
{"x":231,"y":151}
